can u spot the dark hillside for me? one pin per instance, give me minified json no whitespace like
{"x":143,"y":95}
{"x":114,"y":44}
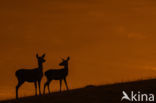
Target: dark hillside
{"x":93,"y":94}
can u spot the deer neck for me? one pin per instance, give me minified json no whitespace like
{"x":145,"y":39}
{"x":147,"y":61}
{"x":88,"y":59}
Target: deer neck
{"x":40,"y":66}
{"x":66,"y":67}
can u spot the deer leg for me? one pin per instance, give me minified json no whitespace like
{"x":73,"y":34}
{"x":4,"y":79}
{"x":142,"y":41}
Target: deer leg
{"x":39,"y":85}
{"x":17,"y":87}
{"x":45,"y":85}
{"x":48,"y":87}
{"x":35,"y":88}
{"x":66,"y":83}
{"x":60,"y":84}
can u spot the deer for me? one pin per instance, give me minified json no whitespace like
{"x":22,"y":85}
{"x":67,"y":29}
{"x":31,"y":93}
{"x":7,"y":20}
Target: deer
{"x":31,"y":75}
{"x":57,"y":74}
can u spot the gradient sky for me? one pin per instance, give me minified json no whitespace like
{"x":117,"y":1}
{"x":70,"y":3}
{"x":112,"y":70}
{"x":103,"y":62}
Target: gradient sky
{"x":108,"y":40}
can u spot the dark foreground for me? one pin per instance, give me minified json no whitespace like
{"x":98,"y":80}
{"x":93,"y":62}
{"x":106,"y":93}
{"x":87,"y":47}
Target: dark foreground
{"x":93,"y":94}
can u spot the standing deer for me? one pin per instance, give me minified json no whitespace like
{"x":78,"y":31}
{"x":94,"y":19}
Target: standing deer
{"x":59,"y":74}
{"x":31,"y":75}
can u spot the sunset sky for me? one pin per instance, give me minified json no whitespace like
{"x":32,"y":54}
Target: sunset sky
{"x":108,"y":41}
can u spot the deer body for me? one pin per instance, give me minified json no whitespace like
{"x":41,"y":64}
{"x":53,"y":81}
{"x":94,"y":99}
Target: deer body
{"x":31,"y":75}
{"x":57,"y":74}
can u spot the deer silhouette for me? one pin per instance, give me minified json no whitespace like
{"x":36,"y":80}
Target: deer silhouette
{"x":59,"y":74}
{"x":31,"y":75}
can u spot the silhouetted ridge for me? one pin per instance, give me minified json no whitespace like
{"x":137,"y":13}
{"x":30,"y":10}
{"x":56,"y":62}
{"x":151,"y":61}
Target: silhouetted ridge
{"x":111,"y":93}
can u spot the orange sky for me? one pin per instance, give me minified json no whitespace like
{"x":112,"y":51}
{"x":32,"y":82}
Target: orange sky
{"x":108,"y":40}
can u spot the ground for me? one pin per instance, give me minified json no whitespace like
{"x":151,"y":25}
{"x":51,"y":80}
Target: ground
{"x":93,"y":94}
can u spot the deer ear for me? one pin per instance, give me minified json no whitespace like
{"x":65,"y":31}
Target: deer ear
{"x":43,"y":55}
{"x":37,"y":55}
{"x":68,"y":58}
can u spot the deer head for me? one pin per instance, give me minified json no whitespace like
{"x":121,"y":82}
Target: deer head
{"x":40,"y":58}
{"x":64,"y":62}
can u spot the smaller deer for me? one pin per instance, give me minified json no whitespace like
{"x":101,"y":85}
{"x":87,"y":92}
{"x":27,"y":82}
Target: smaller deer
{"x":59,"y":74}
{"x":31,"y":75}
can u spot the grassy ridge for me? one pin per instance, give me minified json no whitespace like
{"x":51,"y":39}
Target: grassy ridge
{"x":93,"y":94}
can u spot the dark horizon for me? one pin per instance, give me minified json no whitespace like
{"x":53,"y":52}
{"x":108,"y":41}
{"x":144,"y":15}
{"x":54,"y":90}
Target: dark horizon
{"x":92,"y":93}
